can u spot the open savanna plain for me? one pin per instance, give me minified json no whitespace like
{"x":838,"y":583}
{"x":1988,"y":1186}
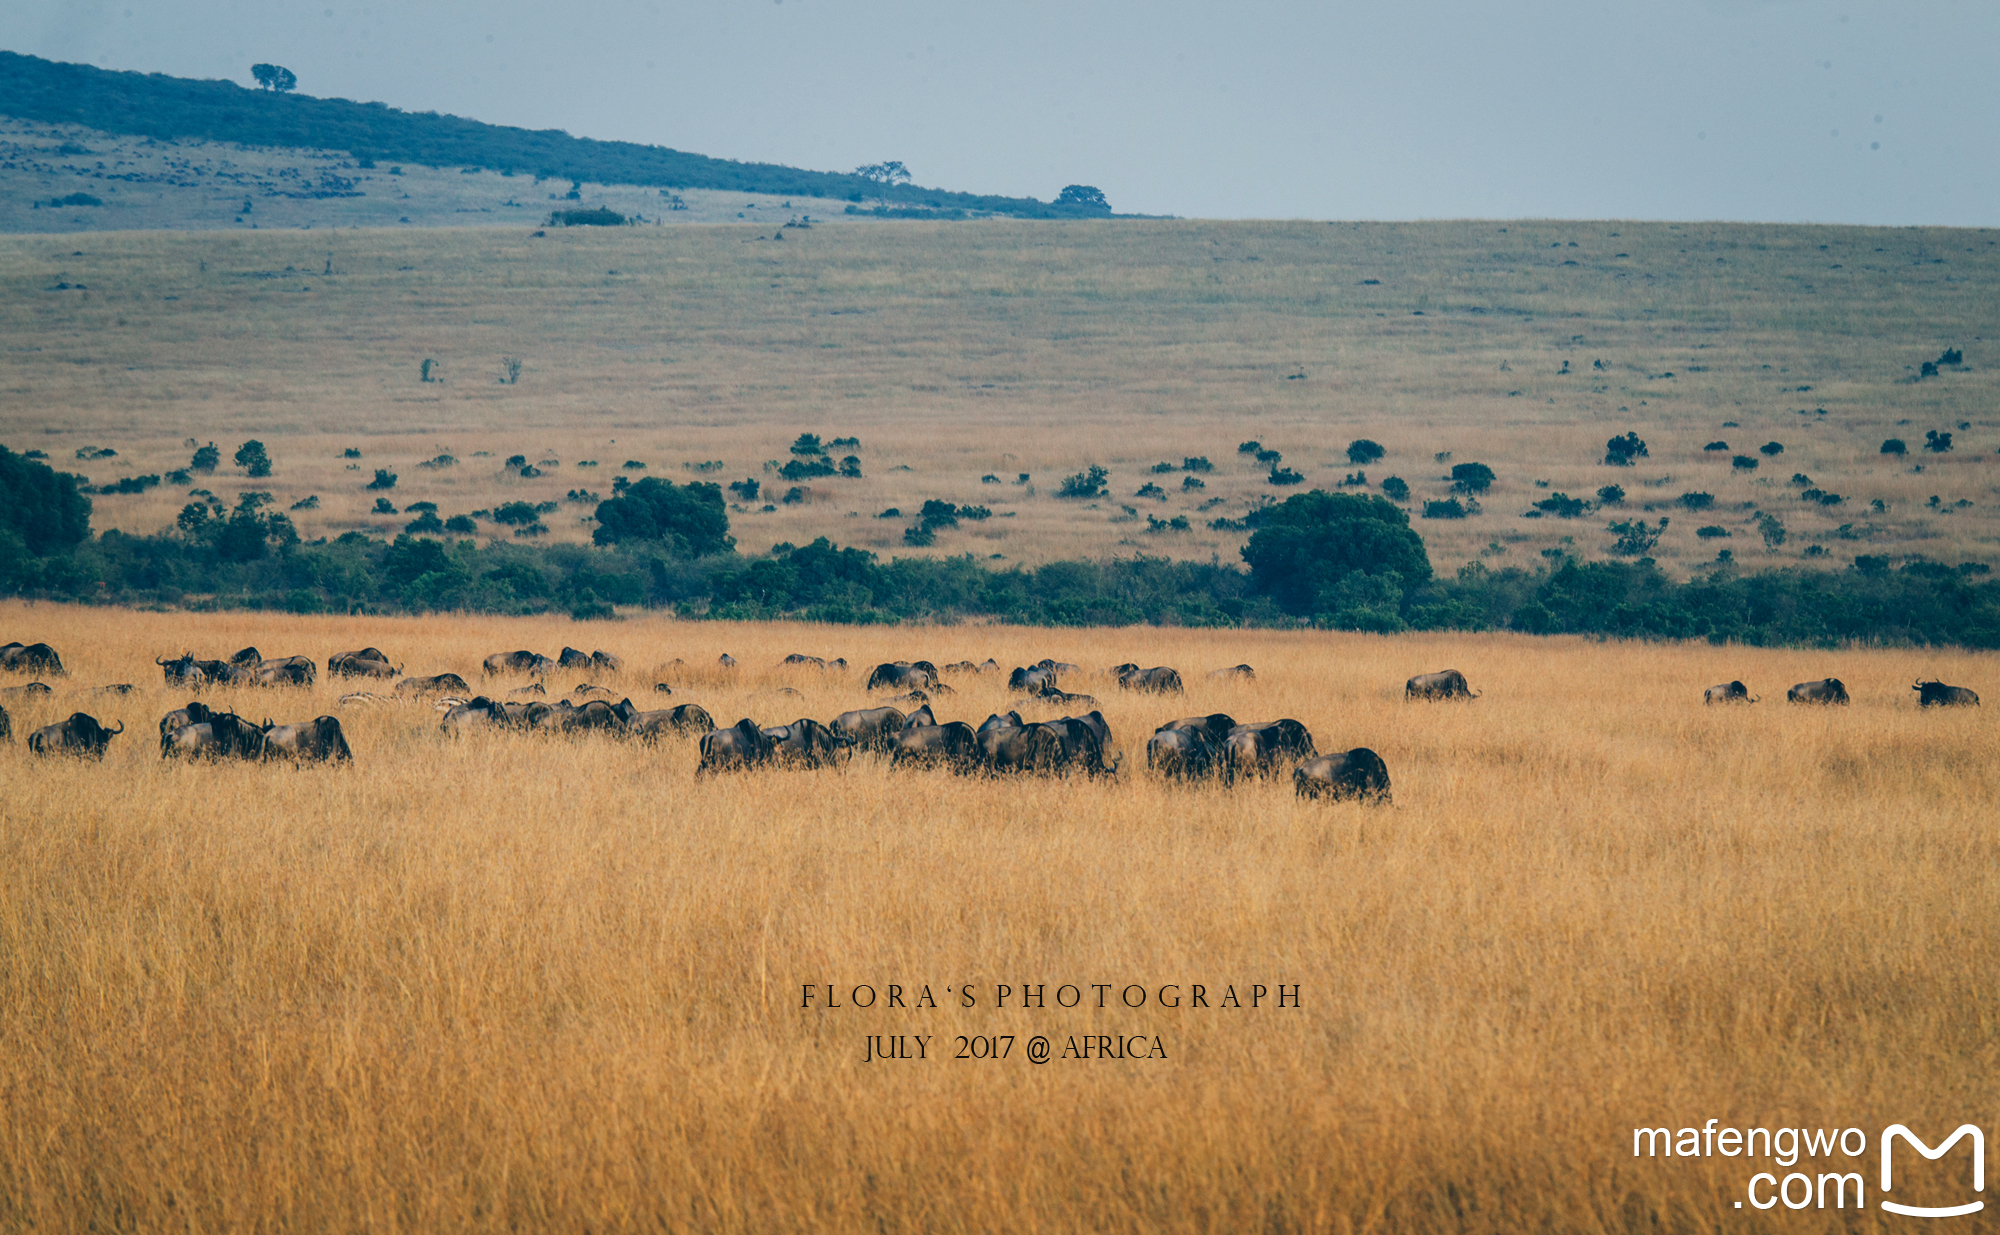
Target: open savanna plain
{"x":515,"y":982}
{"x":979,"y":363}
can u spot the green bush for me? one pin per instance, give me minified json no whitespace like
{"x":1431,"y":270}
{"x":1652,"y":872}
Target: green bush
{"x":40,"y":505}
{"x":691,"y":518}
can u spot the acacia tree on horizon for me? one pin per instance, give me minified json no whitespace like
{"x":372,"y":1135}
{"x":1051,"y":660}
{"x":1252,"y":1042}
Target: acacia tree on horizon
{"x":274,"y":77}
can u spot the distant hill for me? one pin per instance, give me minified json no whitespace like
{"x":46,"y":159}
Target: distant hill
{"x":157,"y":105}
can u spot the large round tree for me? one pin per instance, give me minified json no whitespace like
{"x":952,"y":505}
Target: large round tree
{"x":1313,"y":543}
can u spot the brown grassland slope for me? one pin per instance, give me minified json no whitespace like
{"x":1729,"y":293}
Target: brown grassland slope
{"x":513,"y":983}
{"x":961,"y":351}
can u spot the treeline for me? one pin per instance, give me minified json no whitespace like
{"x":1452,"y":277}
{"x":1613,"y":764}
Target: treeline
{"x":1330,"y":561}
{"x":156,"y":105}
{"x":1920,"y":603}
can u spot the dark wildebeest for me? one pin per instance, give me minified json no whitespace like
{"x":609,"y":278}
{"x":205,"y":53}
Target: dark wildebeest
{"x":1216,"y":725}
{"x":195,"y":713}
{"x":317,"y":741}
{"x":219,"y":734}
{"x":1728,"y":692}
{"x":726,"y":661}
{"x":800,"y":658}
{"x":517,"y":662}
{"x":1181,"y":752}
{"x":606,"y":662}
{"x":1445,"y":684}
{"x":1022,"y":748}
{"x":741,"y":745}
{"x":477,"y":713}
{"x":440,"y":684}
{"x":79,"y":735}
{"x":27,"y":692}
{"x":921,"y":717}
{"x":1001,"y":720}
{"x":1358,"y":773}
{"x":1824,"y":691}
{"x":1161,"y":680}
{"x":952,"y":744}
{"x":1257,"y":749}
{"x":595,"y":714}
{"x":650,"y":725}
{"x":572,"y":659}
{"x":870,"y":728}
{"x":1244,"y":672}
{"x":285,"y":671}
{"x":1935,"y":694}
{"x":366,"y":663}
{"x":590,"y":690}
{"x":1034,"y":679}
{"x":191,"y":674}
{"x":1085,"y":739}
{"x":806,"y":743}
{"x":37,"y":658}
{"x":962,"y":666}
{"x":905,"y":675}
{"x":247,"y":658}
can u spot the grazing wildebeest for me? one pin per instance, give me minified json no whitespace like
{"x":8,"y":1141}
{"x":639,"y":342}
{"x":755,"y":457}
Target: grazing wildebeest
{"x":477,"y":713}
{"x":29,"y":691}
{"x":284,"y":671}
{"x":517,"y":662}
{"x":1001,"y":720}
{"x":1162,"y":679}
{"x":247,"y":658}
{"x":366,"y":663}
{"x":904,"y":675}
{"x":1216,"y":725}
{"x":805,"y":743}
{"x":606,"y":662}
{"x":1022,"y":748}
{"x":1181,"y":752}
{"x":183,"y":672}
{"x":195,"y":713}
{"x":921,"y":717}
{"x":532,"y":688}
{"x":799,"y":658}
{"x":1358,"y":773}
{"x":442,"y":683}
{"x":316,"y":741}
{"x":1085,"y":740}
{"x":219,"y":734}
{"x":1728,"y":692}
{"x":595,"y":714}
{"x":116,"y":688}
{"x":1049,"y":696}
{"x":743,"y":744}
{"x":914,"y":699}
{"x":1244,"y":672}
{"x":726,"y":661}
{"x":35,"y":658}
{"x":962,"y":666}
{"x":589,"y":690}
{"x":1257,"y":749}
{"x":1824,"y":691}
{"x":952,"y":744}
{"x":79,"y":735}
{"x":1445,"y":684}
{"x":572,"y":659}
{"x":662,"y":688}
{"x":1033,"y":678}
{"x":870,"y":728}
{"x":679,"y":719}
{"x":1935,"y":694}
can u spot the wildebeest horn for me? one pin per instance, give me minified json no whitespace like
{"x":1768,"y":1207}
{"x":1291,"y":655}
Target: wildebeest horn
{"x":159,"y":660}
{"x":118,"y":730}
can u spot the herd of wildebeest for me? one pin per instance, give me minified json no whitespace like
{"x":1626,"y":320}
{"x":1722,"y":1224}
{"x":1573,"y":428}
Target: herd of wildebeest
{"x":1215,"y":745}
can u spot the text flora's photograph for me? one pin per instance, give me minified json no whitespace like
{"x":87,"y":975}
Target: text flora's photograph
{"x":1274,"y":626}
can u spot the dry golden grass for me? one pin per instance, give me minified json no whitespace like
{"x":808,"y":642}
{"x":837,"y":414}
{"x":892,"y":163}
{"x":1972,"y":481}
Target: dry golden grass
{"x":958,"y":351}
{"x":510,"y":983}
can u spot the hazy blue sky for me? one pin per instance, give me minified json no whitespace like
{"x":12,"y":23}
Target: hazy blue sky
{"x":1783,"y":110}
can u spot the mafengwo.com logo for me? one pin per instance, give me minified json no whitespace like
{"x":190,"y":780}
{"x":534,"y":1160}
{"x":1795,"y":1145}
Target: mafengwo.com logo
{"x":1816,"y":1187}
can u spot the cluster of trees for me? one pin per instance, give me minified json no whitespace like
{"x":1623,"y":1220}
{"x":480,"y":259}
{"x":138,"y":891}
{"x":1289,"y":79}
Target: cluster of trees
{"x":156,"y":105}
{"x":1335,"y":560}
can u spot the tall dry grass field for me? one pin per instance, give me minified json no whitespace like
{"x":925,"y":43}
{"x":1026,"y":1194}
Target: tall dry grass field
{"x":522,"y":983}
{"x":960,"y":351}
